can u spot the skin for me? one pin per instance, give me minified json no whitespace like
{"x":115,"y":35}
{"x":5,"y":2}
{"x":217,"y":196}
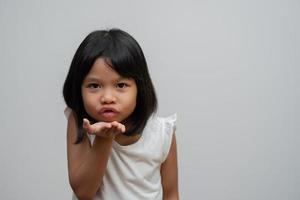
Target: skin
{"x":103,"y":87}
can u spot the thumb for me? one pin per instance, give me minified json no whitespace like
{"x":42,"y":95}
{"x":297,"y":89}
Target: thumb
{"x":87,"y":125}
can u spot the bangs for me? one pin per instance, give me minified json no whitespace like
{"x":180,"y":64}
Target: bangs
{"x":123,"y":59}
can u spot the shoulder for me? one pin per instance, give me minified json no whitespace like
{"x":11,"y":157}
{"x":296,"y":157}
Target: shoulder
{"x":163,"y":129}
{"x":169,"y":121}
{"x":167,"y":124}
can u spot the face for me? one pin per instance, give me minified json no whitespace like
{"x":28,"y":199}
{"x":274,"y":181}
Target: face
{"x":106,"y":95}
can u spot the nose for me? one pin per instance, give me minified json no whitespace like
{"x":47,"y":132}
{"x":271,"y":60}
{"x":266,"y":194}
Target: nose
{"x":107,"y":97}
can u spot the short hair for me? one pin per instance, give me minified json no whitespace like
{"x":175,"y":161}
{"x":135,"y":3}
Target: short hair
{"x":124,"y":55}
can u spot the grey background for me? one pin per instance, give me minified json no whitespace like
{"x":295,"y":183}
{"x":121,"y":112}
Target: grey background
{"x":230,"y":69}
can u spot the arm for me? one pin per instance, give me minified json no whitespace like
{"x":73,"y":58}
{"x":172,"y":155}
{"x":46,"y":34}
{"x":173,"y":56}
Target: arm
{"x":169,"y":174}
{"x":86,"y":164}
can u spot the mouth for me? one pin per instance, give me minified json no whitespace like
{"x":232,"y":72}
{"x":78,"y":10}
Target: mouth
{"x":108,"y":112}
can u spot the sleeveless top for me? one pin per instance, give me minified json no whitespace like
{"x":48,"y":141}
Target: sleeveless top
{"x":133,"y":171}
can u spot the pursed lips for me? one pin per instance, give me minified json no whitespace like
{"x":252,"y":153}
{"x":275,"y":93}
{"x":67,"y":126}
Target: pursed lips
{"x":108,"y":110}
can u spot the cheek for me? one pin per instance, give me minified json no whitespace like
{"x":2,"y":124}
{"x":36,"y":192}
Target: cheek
{"x":84,"y":97}
{"x":85,"y":102}
{"x":130,"y":101}
{"x":88,"y":101}
{"x":89,"y":106}
{"x":133,"y":100}
{"x":133,"y":104}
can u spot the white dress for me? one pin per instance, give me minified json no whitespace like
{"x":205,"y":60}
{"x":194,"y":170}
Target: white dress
{"x":133,"y":171}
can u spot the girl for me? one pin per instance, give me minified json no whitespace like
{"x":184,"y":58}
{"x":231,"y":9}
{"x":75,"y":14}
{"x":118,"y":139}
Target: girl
{"x":117,"y":147}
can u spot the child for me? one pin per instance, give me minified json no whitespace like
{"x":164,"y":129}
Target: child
{"x":117,"y":147}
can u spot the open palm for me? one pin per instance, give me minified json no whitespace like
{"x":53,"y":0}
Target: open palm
{"x":104,"y":129}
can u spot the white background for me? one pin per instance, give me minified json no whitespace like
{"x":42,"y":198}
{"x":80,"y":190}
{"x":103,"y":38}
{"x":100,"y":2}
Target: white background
{"x":230,"y":69}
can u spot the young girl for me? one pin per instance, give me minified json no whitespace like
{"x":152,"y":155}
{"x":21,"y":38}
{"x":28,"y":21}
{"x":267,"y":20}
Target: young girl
{"x":117,"y":147}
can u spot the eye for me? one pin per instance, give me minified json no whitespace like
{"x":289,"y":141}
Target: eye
{"x":93,"y":85}
{"x":122,"y":85}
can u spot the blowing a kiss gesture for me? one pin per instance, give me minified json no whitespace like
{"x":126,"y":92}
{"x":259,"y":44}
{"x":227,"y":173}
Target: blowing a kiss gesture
{"x":104,"y":129}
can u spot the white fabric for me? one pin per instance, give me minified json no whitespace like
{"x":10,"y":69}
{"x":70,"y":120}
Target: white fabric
{"x":133,"y":171}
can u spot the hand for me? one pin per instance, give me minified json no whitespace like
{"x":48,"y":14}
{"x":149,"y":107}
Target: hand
{"x":103,"y":129}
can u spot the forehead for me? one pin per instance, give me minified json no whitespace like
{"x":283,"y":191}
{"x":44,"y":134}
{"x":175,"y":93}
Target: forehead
{"x":101,"y":70}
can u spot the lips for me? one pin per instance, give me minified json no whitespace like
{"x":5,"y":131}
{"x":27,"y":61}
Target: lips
{"x":108,"y":112}
{"x":108,"y":109}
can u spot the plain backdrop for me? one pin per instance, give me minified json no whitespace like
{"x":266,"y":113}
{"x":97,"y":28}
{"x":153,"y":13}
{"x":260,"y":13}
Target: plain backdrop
{"x":229,"y":69}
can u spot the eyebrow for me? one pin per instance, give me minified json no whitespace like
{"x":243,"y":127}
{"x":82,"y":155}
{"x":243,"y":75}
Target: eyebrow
{"x":92,"y":78}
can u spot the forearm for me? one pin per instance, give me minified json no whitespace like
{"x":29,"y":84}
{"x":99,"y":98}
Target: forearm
{"x":87,"y":178}
{"x":171,"y":194}
{"x":172,"y":197}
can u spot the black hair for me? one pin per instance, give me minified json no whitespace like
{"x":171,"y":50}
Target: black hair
{"x":123,"y":54}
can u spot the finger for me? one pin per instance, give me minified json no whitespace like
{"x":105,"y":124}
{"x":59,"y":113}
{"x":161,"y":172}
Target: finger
{"x":87,"y":126}
{"x":112,"y":131}
{"x":85,"y":123}
{"x":123,"y":128}
{"x":114,"y":123}
{"x":120,"y":128}
{"x":107,"y":127}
